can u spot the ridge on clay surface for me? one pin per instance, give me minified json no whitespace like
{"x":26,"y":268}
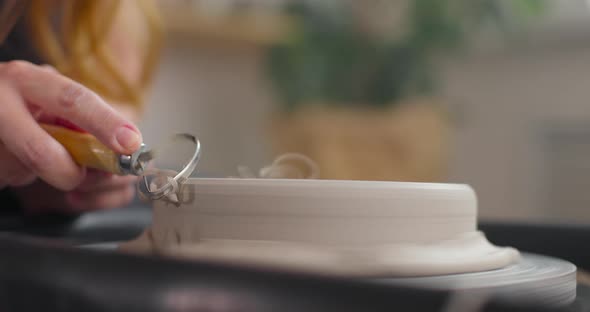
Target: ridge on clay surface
{"x":341,"y":227}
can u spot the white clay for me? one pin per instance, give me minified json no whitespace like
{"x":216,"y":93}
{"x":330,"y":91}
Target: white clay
{"x":341,"y":227}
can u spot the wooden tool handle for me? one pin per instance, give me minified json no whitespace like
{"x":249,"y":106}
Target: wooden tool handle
{"x":85,"y":149}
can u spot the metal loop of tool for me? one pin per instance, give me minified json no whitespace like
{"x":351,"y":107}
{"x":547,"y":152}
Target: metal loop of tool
{"x":168,"y":182}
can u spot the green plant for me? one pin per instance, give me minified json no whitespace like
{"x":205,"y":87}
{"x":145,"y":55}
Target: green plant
{"x":332,"y":59}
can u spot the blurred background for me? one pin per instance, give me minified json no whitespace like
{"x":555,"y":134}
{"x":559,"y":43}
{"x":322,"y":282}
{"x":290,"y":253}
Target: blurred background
{"x":486,"y":92}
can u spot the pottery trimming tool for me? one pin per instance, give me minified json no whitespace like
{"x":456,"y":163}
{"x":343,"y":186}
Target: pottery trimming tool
{"x":87,"y":151}
{"x":155,"y":183}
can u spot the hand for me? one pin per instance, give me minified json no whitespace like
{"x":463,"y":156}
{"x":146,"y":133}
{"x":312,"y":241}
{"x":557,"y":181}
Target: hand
{"x":102,"y":190}
{"x":99,"y":190}
{"x":29,"y":93}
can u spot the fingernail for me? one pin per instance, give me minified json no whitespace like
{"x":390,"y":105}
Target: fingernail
{"x":128,"y":138}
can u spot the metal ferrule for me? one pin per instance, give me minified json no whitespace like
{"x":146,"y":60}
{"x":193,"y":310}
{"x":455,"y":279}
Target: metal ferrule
{"x":129,"y":164}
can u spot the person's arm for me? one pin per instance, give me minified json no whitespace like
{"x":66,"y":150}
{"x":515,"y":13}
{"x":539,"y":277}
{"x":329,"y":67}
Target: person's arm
{"x":29,"y":92}
{"x":98,"y":189}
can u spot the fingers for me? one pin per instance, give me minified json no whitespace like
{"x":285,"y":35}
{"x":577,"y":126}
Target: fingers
{"x":49,"y":68}
{"x":13,"y":172}
{"x":32,"y":146}
{"x":102,"y":181}
{"x":61,"y":96}
{"x":102,"y":190}
{"x":114,"y":198}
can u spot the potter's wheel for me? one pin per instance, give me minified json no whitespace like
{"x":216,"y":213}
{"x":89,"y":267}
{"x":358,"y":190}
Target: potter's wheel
{"x":359,"y":229}
{"x":537,"y":279}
